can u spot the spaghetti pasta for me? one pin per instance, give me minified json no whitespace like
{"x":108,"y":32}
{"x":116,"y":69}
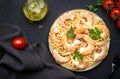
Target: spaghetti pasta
{"x":88,"y":44}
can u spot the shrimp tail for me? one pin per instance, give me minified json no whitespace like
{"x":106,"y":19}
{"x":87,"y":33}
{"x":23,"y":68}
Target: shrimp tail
{"x":59,"y":58}
{"x":100,"y":56}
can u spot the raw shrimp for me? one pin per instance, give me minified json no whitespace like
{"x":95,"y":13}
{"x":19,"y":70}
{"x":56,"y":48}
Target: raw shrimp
{"x":90,"y":44}
{"x":87,"y":17}
{"x":102,"y":54}
{"x":70,"y":46}
{"x":104,"y":31}
{"x":59,"y":58}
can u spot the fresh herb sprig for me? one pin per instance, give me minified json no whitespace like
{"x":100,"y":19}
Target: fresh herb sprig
{"x":70,"y":33}
{"x":94,"y":7}
{"x":95,"y":33}
{"x":77,"y":55}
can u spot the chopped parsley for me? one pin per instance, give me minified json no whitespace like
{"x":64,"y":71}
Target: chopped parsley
{"x":95,"y":33}
{"x":77,"y":55}
{"x":70,"y":33}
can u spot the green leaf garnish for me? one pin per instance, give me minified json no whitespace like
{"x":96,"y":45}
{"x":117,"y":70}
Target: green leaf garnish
{"x":95,"y":33}
{"x":100,"y":2}
{"x":77,"y":55}
{"x":70,"y":33}
{"x":94,"y":7}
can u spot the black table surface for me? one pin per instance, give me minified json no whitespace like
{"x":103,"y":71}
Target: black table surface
{"x":11,"y":11}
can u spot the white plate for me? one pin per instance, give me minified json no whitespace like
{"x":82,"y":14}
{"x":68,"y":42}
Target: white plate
{"x":89,"y":68}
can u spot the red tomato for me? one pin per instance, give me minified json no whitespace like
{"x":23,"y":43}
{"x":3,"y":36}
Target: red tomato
{"x":118,"y":23}
{"x":115,"y":13}
{"x":19,"y":43}
{"x":118,"y":3}
{"x":108,"y":4}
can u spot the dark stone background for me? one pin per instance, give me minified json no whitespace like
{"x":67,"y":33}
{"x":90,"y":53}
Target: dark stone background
{"x":11,"y":11}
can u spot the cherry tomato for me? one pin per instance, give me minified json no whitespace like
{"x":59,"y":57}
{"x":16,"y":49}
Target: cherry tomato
{"x":108,"y":4}
{"x":118,"y":23}
{"x":19,"y":43}
{"x":118,"y":3}
{"x":115,"y":13}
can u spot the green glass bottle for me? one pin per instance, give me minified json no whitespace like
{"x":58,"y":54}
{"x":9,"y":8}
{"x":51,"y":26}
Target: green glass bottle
{"x":35,"y":10}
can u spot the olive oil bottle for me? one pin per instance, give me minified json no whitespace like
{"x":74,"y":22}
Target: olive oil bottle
{"x":35,"y":10}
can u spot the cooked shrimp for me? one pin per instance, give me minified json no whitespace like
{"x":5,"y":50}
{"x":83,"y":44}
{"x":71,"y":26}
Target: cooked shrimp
{"x":104,"y":31}
{"x":70,"y":46}
{"x":102,"y":54}
{"x":87,"y":17}
{"x":79,"y":65}
{"x":89,"y":48}
{"x":66,"y":16}
{"x":59,"y":58}
{"x":80,"y":30}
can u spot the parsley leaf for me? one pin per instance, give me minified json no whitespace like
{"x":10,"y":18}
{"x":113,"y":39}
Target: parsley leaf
{"x":100,"y":2}
{"x":94,"y":7}
{"x":77,"y":55}
{"x":70,"y":33}
{"x":95,"y":33}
